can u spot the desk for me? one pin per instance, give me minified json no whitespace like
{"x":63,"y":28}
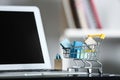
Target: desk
{"x":67,"y":78}
{"x":20,"y":76}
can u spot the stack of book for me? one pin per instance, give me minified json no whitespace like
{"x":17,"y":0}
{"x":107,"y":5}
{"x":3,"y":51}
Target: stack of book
{"x":82,"y":14}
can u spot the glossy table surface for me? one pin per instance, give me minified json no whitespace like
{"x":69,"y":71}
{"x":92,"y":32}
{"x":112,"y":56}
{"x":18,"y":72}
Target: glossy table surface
{"x":52,"y":75}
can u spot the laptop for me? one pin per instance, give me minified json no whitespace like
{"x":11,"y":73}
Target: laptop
{"x":23,"y":45}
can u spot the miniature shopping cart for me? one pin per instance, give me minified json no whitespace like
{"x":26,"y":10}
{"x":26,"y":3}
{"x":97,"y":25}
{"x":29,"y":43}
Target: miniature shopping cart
{"x":85,"y":52}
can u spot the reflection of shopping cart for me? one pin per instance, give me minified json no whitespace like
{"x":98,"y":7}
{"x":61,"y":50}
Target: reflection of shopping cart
{"x":85,"y":52}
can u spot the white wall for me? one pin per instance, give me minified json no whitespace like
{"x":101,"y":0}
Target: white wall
{"x":109,"y":11}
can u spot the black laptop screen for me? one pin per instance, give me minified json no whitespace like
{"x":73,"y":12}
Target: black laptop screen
{"x":19,"y":38}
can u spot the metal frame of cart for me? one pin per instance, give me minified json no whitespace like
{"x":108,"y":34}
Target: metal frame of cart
{"x":91,"y":57}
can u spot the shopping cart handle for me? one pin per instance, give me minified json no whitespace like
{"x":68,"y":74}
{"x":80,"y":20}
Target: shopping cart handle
{"x":101,"y":36}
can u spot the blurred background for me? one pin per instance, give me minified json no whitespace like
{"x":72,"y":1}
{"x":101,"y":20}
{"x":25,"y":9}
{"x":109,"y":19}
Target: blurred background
{"x":55,"y":23}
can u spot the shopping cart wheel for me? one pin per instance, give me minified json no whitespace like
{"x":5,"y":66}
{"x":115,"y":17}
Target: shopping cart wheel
{"x":89,"y":71}
{"x":100,"y":70}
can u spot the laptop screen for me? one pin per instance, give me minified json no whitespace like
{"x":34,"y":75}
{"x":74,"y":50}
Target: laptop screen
{"x":22,"y":39}
{"x":19,"y":38}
